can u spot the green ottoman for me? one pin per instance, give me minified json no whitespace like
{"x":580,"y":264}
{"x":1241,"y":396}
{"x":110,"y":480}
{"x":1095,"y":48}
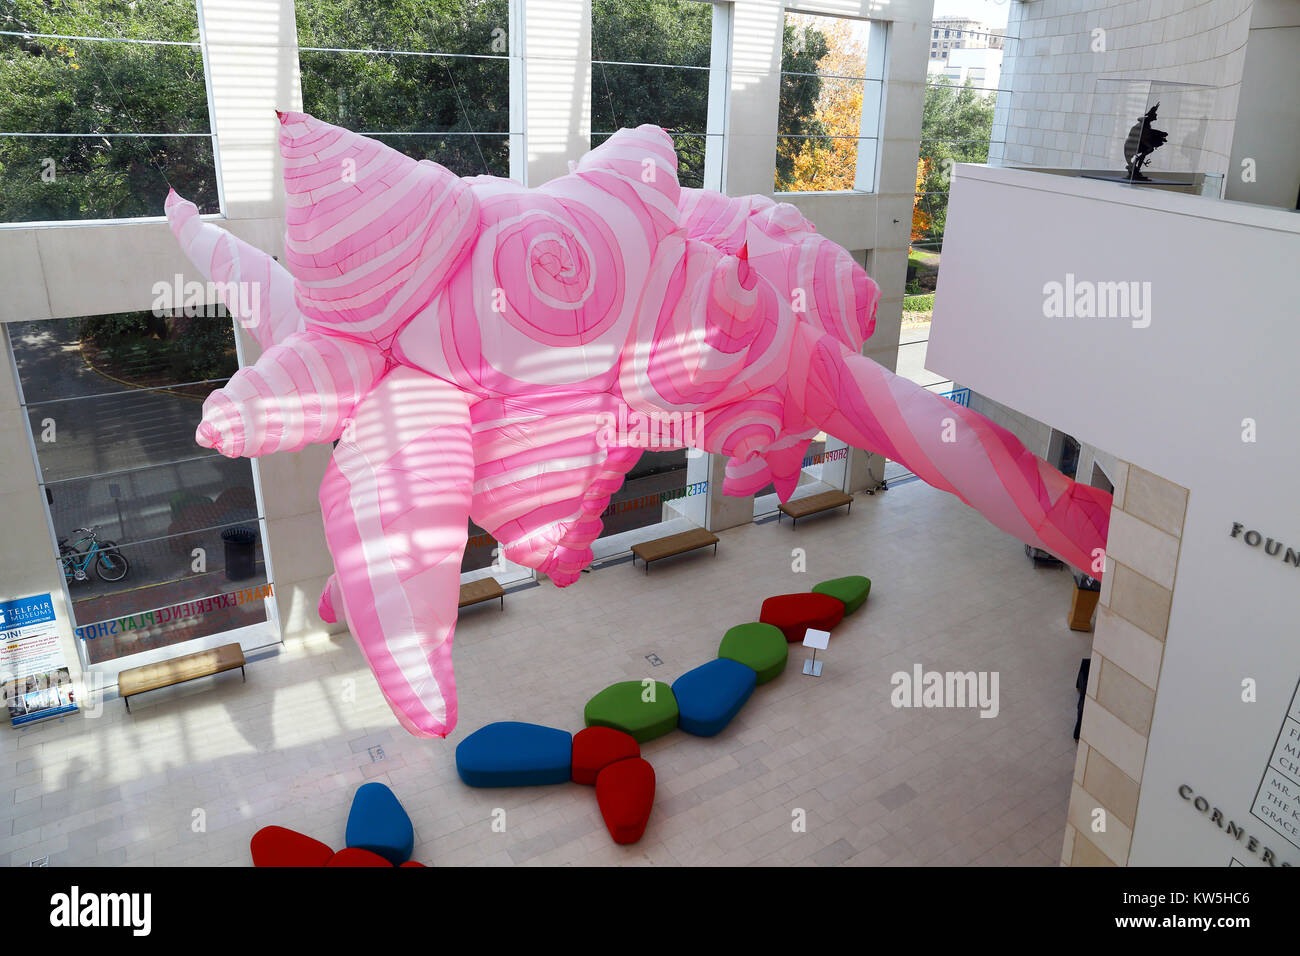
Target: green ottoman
{"x":760,"y":646}
{"x":623,"y":707}
{"x":852,"y":590}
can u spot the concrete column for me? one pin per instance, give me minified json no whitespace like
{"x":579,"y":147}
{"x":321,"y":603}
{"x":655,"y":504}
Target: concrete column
{"x":28,"y":566}
{"x":725,"y":511}
{"x":743,"y":162}
{"x":252,"y":72}
{"x":754,"y":93}
{"x":298,"y":560}
{"x":556,"y":47}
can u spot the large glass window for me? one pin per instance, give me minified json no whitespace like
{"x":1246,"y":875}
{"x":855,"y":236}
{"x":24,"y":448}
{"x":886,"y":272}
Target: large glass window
{"x":431,"y":80}
{"x":103,"y":105}
{"x":651,"y":63}
{"x":829,"y":112}
{"x":956,"y":127}
{"x":822,"y":469}
{"x":160,"y":539}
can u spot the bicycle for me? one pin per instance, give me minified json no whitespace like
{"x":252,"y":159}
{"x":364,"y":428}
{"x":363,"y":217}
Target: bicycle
{"x":110,"y":564}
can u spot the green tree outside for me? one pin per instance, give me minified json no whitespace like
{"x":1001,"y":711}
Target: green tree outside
{"x":96,"y":89}
{"x":351,"y":76}
{"x":956,"y":126}
{"x":408,"y":93}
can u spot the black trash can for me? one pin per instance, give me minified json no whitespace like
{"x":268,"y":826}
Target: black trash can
{"x":241,"y":553}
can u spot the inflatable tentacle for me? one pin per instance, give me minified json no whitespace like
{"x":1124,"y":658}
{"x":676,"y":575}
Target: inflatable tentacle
{"x":370,"y":234}
{"x":301,"y":391}
{"x":540,"y":461}
{"x":256,"y":289}
{"x":331,"y":601}
{"x":395,"y":500}
{"x":952,"y":448}
{"x":574,"y":550}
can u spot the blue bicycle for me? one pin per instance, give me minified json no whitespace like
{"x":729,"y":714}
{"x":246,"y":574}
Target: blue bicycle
{"x":77,"y":558}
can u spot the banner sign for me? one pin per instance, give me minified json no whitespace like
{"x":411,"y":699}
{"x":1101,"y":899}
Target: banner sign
{"x":175,"y":614}
{"x":34,"y":673}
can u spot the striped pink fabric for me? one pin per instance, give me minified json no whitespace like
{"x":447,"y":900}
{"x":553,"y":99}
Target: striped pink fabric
{"x":481,"y":349}
{"x":370,"y":233}
{"x":302,"y":391}
{"x":395,"y":499}
{"x":955,"y":449}
{"x":241,"y":274}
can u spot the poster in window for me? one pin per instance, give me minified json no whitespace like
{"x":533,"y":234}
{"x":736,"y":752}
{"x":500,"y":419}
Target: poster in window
{"x":34,"y":673}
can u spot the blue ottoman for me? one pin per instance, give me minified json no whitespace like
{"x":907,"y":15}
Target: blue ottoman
{"x":513,"y":754}
{"x":711,"y":694}
{"x":378,"y":823}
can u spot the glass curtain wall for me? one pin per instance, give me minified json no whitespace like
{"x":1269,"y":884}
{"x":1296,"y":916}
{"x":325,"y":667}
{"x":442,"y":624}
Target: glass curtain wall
{"x":430,"y":79}
{"x":829,"y":111}
{"x":103,"y":105}
{"x":956,"y":127}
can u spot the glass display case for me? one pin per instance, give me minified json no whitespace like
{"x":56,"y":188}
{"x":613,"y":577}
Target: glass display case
{"x":1149,"y":133}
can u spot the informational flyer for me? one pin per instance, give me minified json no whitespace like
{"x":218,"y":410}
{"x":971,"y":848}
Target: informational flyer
{"x":34,"y":673}
{"x":1277,"y":801}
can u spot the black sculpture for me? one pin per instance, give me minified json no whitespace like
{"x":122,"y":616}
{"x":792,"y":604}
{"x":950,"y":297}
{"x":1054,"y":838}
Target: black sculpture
{"x":1143,"y":140}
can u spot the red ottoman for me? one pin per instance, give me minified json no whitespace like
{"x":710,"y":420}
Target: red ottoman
{"x":355,"y":856}
{"x":278,"y":846}
{"x":625,"y":792}
{"x":795,"y":613}
{"x":596,"y":748}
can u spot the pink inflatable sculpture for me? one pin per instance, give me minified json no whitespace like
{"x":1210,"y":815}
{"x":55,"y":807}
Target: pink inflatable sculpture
{"x":468,"y":343}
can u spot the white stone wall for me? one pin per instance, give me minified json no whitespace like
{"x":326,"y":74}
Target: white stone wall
{"x":1265,"y":165}
{"x":1108,"y":463}
{"x":1055,"y":59}
{"x":1032,"y":433}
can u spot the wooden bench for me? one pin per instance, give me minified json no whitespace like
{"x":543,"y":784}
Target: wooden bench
{"x":484,"y":589}
{"x":811,"y":505}
{"x":138,"y":680}
{"x":649,"y":551}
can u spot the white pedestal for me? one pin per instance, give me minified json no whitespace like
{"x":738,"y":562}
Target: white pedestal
{"x":817,"y":640}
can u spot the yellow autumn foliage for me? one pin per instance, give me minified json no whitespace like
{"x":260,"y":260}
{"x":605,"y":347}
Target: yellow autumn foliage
{"x":831,"y":164}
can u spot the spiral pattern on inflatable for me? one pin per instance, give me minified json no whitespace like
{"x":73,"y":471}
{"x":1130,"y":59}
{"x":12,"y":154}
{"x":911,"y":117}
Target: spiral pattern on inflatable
{"x":548,"y":296}
{"x":763,"y":442}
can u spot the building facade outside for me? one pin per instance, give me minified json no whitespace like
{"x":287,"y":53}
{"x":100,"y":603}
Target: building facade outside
{"x":962,"y":33}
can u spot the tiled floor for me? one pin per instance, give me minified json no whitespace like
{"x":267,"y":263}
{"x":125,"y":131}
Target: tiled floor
{"x":189,"y":776}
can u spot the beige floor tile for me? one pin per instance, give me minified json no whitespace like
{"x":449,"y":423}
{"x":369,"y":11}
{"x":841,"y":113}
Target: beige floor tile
{"x":878,"y":785}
